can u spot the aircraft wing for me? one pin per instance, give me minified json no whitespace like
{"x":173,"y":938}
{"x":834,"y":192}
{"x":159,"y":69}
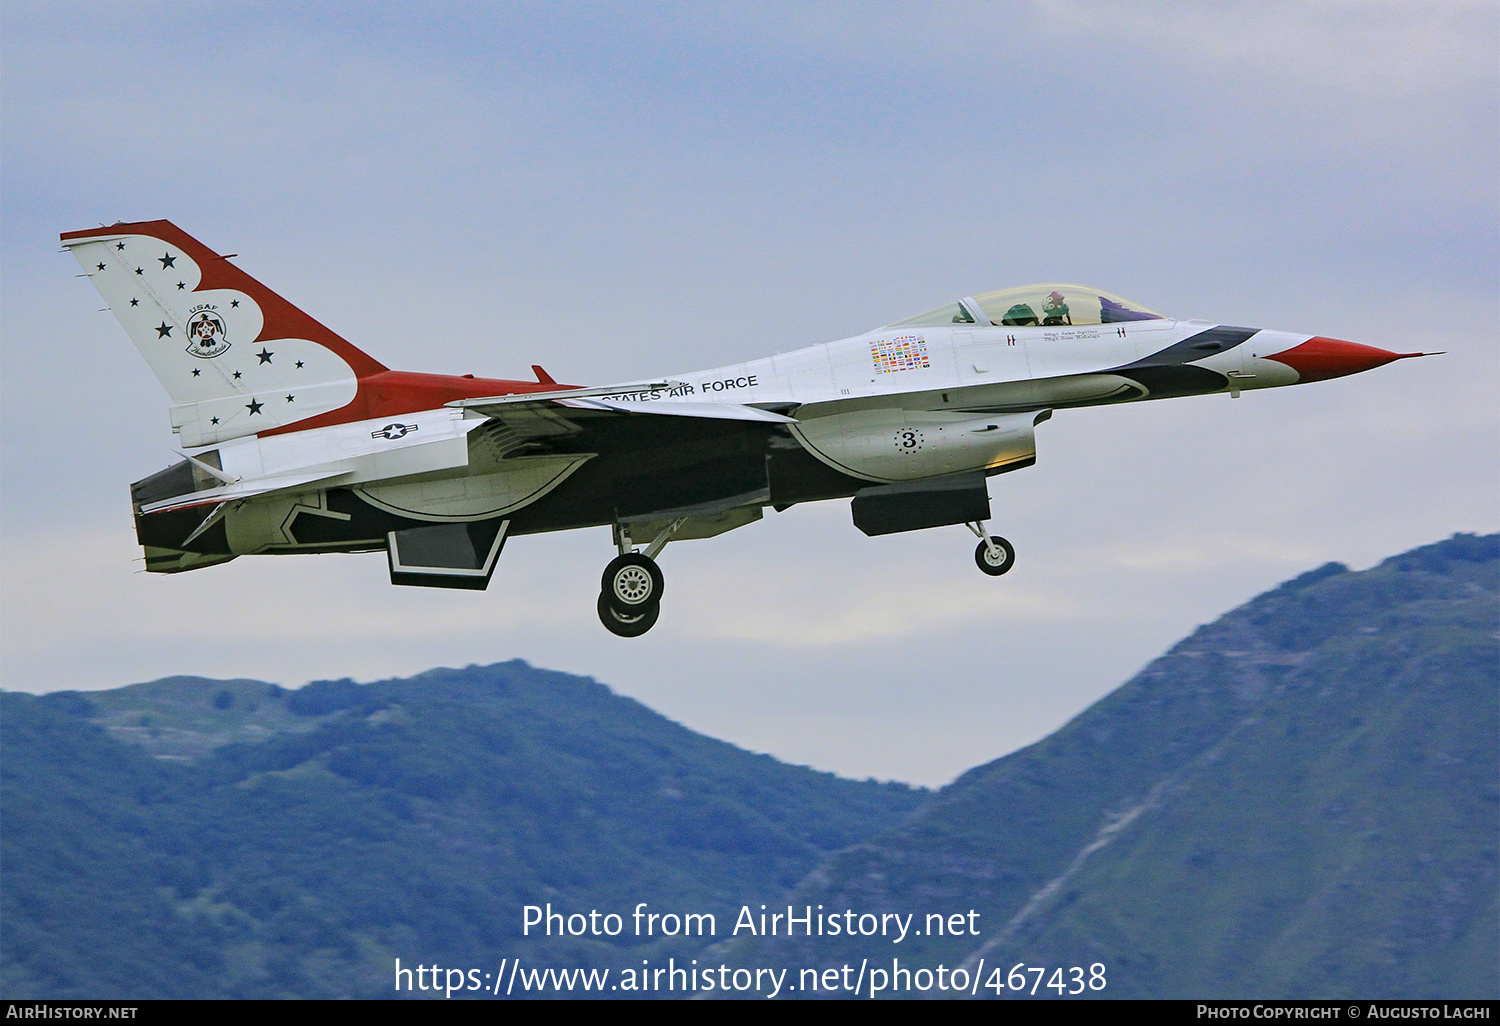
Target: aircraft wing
{"x":613,"y":401}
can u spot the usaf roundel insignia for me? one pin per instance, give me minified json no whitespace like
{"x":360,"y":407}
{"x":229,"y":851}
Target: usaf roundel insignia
{"x":205,"y":331}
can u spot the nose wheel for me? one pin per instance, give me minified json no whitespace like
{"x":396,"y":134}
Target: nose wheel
{"x":994,"y":555}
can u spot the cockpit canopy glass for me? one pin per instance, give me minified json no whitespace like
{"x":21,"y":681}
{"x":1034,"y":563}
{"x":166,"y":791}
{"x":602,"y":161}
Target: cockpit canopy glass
{"x":1040,"y":305}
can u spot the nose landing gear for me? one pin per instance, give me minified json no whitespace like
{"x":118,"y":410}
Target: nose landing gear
{"x":630,"y":590}
{"x":994,"y":555}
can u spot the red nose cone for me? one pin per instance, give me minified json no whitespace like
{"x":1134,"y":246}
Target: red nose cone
{"x":1319,"y":359}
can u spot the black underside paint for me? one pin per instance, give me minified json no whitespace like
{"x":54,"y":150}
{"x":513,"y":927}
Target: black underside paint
{"x":796,"y":475}
{"x":643,"y":464}
{"x":1167,"y":375}
{"x":167,"y":530}
{"x":364,"y":523}
{"x":1171,"y":382}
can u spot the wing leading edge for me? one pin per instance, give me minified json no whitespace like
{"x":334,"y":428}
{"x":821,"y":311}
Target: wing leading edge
{"x":609,"y":401}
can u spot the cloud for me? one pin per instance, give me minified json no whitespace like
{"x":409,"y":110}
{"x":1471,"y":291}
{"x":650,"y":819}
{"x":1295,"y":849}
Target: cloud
{"x":1370,"y":49}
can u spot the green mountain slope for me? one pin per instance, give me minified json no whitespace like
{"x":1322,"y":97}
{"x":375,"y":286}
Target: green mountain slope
{"x":1298,"y":800}
{"x":235,"y":839}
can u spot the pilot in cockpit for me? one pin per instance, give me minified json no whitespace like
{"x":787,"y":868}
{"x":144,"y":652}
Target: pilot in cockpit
{"x":1056,"y":310}
{"x":1019,"y":315}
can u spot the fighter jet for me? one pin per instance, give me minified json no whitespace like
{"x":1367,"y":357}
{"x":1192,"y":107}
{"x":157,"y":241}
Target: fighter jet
{"x":295,"y":441}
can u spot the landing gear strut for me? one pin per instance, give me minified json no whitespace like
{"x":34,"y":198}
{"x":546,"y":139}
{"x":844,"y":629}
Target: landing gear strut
{"x":994,"y":555}
{"x":630,"y":590}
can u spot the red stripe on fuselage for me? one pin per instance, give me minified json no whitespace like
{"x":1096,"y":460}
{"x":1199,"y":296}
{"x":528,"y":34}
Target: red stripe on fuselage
{"x":393,"y":393}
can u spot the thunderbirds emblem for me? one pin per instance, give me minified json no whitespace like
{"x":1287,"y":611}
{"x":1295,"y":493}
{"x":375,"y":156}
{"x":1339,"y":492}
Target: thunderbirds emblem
{"x":205,"y":331}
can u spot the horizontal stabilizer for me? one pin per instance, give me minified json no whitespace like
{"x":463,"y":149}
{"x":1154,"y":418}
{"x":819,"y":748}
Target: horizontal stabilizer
{"x":176,"y":561}
{"x":242,"y":490}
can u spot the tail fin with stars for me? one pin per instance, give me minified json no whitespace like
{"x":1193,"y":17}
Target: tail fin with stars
{"x":235,"y":358}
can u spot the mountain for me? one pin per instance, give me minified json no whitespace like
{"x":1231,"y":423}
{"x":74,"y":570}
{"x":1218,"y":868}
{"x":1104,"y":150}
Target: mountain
{"x":198,"y":838}
{"x":1301,"y":799}
{"x":1298,"y":800}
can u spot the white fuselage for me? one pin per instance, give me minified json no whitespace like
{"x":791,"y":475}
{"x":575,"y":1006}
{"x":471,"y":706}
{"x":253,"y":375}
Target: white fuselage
{"x":891,"y":405}
{"x":903,"y":403}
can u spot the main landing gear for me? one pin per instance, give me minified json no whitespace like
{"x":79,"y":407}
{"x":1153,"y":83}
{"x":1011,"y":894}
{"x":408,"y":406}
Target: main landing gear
{"x":630,"y":590}
{"x":994,"y":555}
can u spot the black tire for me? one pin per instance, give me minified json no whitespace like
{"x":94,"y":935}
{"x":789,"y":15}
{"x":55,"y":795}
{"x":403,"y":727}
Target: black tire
{"x":627,"y":625}
{"x":988,"y":565}
{"x":631,"y":582}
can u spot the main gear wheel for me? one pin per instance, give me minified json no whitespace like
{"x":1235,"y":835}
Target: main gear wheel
{"x":632,"y":582}
{"x":627,"y":625}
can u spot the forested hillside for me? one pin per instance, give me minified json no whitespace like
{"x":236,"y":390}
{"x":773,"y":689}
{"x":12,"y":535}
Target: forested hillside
{"x":196,"y":838}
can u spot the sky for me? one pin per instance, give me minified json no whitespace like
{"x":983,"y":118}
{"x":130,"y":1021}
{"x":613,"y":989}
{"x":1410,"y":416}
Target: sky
{"x":622,"y":190}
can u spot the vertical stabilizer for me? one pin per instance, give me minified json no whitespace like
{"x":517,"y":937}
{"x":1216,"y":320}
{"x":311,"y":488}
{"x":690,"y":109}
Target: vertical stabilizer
{"x":235,"y":358}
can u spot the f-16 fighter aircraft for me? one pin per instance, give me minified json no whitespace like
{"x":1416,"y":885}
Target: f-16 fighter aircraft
{"x":296,"y":441}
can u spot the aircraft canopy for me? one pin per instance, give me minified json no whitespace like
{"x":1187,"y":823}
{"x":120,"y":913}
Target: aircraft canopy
{"x":1046,"y":305}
